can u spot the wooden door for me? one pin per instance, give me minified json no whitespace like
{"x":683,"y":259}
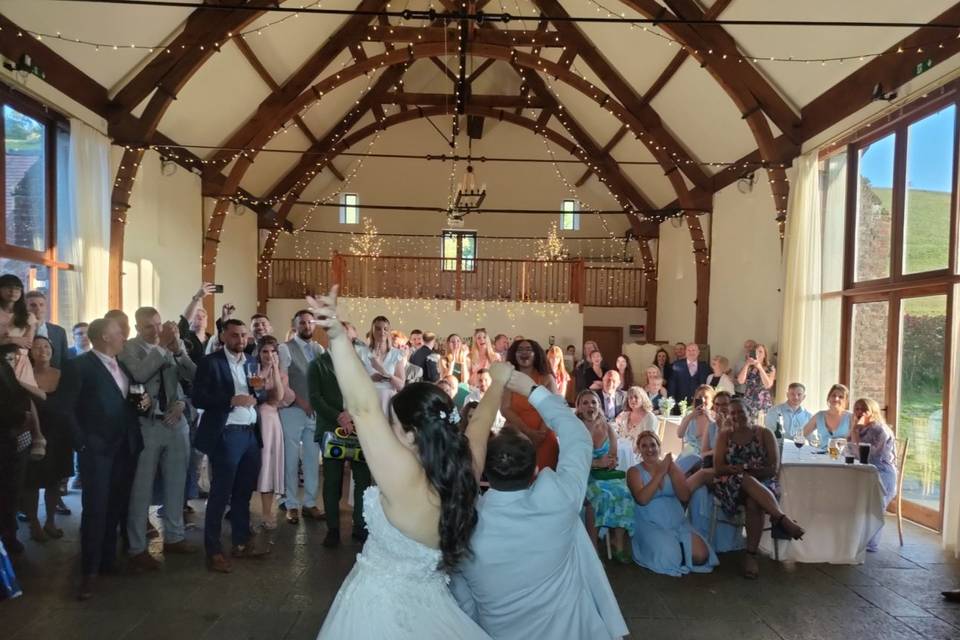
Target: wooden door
{"x":608,"y":339}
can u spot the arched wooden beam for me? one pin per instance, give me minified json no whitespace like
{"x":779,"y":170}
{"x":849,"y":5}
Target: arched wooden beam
{"x":168,"y":78}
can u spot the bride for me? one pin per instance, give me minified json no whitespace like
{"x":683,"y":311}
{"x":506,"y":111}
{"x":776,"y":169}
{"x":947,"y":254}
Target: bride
{"x":422,"y":512}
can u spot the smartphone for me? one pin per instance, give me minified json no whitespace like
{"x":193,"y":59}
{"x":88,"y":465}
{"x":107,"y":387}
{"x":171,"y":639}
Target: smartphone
{"x":753,"y":353}
{"x":698,"y":403}
{"x":552,"y":340}
{"x":218,"y":288}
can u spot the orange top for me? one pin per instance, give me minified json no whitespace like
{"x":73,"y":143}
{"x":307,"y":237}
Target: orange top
{"x":549,"y":450}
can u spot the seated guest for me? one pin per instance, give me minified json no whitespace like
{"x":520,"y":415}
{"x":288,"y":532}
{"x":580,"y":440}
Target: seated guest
{"x":425,"y":356}
{"x":718,"y":378}
{"x":795,"y":417}
{"x":611,"y":506}
{"x":637,"y":415}
{"x":625,"y":369}
{"x":746,"y":465}
{"x":455,"y":361}
{"x":593,"y":374}
{"x":459,"y":392}
{"x":398,"y":340}
{"x":661,"y":360}
{"x":757,"y":377}
{"x":81,"y":343}
{"x":612,"y":397}
{"x":501,"y":344}
{"x":686,"y":375}
{"x":694,"y":428}
{"x":871,"y":429}
{"x":654,"y":387}
{"x":481,"y":354}
{"x":663,"y":539}
{"x":558,"y":368}
{"x":835,"y":421}
{"x":528,"y":358}
{"x":545,"y":585}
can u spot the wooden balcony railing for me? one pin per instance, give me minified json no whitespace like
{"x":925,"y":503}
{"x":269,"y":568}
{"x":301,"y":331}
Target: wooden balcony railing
{"x":500,"y":279}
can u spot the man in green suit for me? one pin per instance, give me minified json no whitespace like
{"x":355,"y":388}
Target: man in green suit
{"x":327,"y":403}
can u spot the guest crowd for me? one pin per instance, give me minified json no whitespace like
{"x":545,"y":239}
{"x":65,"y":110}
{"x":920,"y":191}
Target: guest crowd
{"x":134,"y":411}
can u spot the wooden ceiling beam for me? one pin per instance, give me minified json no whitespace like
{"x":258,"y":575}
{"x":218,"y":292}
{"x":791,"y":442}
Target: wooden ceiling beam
{"x":524,"y":89}
{"x":476,"y":73}
{"x":503,"y":37}
{"x":359,"y":55}
{"x":479,"y":99}
{"x":439,"y":64}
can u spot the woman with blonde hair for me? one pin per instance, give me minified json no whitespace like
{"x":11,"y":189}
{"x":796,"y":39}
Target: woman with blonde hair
{"x":455,"y":361}
{"x":637,"y":415}
{"x":481,"y":354}
{"x":718,"y":379}
{"x":871,"y":429}
{"x":834,"y":422}
{"x":558,"y":369}
{"x":694,"y":429}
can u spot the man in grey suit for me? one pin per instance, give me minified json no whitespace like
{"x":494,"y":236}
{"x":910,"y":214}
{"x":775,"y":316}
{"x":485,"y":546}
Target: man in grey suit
{"x":157,"y":359}
{"x":534,"y":572}
{"x":612,"y":398}
{"x":300,"y":422}
{"x":37,"y":305}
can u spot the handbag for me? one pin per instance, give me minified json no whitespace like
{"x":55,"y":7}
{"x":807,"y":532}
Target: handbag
{"x":339,"y":445}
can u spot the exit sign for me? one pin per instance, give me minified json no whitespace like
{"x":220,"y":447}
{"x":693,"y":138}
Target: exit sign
{"x":922,"y":66}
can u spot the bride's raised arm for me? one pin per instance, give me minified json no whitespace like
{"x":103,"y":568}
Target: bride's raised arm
{"x":482,"y":418}
{"x":394,"y":466}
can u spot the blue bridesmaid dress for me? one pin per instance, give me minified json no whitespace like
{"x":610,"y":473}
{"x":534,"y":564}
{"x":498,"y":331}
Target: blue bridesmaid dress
{"x":843,"y":430}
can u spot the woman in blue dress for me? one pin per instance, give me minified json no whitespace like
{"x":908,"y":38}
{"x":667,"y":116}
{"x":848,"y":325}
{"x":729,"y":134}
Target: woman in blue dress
{"x":871,"y":429}
{"x":834,"y":422}
{"x":664,"y":541}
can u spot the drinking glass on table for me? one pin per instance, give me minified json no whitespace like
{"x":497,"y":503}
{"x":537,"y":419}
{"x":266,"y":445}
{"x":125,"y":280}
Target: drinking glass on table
{"x":833,"y":448}
{"x":799,"y":439}
{"x":814,"y":440}
{"x":254,"y":379}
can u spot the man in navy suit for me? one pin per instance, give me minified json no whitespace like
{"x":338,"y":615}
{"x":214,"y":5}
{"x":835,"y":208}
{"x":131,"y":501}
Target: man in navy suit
{"x":687,"y":374}
{"x":230,"y":436}
{"x":37,"y":305}
{"x":81,"y":342}
{"x":107,"y":437}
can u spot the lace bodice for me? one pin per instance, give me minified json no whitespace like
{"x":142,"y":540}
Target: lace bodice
{"x":391,"y":553}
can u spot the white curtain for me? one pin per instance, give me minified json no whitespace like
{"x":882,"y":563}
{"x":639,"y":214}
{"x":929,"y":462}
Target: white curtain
{"x":88,"y":211}
{"x":951,"y":503}
{"x":800,"y":331}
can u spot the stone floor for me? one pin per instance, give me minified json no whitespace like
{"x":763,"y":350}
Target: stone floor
{"x":895,"y":595}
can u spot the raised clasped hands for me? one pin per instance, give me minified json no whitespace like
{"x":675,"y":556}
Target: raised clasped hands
{"x":666,"y":462}
{"x":325,"y":311}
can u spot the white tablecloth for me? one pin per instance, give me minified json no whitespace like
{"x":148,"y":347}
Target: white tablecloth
{"x":671,"y":443}
{"x":839,"y":505}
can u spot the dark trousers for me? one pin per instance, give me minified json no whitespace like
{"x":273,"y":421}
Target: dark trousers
{"x":333,"y":488}
{"x":107,"y":479}
{"x":13,"y":467}
{"x":234,"y":467}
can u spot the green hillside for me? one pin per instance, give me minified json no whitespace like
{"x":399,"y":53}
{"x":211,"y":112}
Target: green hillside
{"x":928,"y":228}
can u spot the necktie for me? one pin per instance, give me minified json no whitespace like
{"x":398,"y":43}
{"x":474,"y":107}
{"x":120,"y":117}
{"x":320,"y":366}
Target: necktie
{"x":115,"y":372}
{"x":162,"y":395}
{"x":692,"y":366}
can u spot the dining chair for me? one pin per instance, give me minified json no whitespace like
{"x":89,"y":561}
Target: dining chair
{"x":901,"y":457}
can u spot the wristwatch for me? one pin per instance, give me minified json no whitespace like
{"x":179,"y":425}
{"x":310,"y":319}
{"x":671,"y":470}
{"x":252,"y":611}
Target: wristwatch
{"x":532,"y":389}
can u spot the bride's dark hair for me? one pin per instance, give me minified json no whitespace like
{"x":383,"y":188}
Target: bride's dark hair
{"x":426,"y":411}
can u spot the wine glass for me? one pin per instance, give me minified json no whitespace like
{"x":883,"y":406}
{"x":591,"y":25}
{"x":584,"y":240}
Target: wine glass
{"x":814,"y":440}
{"x":799,"y":439}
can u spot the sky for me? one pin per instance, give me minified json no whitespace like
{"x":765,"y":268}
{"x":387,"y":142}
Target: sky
{"x":929,"y":155}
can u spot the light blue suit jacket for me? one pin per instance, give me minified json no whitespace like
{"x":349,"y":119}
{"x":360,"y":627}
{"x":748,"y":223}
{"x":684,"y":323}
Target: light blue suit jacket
{"x":534,"y":572}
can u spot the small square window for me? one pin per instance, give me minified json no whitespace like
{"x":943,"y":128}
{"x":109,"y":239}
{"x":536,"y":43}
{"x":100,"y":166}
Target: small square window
{"x":468,"y":250}
{"x":570,"y":215}
{"x":349,"y":208}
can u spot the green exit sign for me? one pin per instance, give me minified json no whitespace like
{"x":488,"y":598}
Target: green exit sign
{"x":922,"y":66}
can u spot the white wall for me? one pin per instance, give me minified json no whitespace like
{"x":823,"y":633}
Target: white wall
{"x":237,"y":262}
{"x":677,"y":281}
{"x":162,"y":240}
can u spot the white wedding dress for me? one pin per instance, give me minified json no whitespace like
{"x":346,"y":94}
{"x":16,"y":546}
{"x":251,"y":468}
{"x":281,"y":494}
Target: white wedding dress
{"x":395,"y":590}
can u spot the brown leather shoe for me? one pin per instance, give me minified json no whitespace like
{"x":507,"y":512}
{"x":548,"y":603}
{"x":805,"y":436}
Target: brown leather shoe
{"x":250,"y":550}
{"x":218,"y":563}
{"x":143,"y":562}
{"x":314,"y":513}
{"x":951,"y":596}
{"x":181,"y":546}
{"x":87,"y":587}
{"x":293,"y":516}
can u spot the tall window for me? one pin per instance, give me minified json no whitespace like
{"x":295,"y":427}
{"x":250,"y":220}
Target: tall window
{"x":35,"y":146}
{"x":459,"y":243}
{"x":899,"y":274}
{"x":569,"y":215}
{"x":349,"y":208}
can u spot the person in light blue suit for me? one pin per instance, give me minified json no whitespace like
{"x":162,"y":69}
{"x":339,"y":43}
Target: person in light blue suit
{"x":533,"y":572}
{"x":664,"y":541}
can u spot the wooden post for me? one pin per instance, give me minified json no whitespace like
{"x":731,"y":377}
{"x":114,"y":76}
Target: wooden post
{"x":458,"y":285}
{"x":337,"y":269}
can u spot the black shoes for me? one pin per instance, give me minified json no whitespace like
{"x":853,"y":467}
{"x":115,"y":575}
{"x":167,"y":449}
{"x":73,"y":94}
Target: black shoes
{"x":360,"y":535}
{"x":332,"y":538}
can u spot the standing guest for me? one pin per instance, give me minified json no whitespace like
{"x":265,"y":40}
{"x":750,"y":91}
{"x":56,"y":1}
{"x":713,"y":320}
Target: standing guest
{"x":228,"y":434}
{"x":625,"y":369}
{"x":107,"y":436}
{"x":482,"y":354}
{"x":81,"y":342}
{"x":484,"y":381}
{"x":661,"y":360}
{"x":260,"y":326}
{"x":593,"y":375}
{"x":455,"y":361}
{"x":17,"y":418}
{"x":49,"y":472}
{"x":688,"y":373}
{"x":385,"y":364}
{"x":121,"y":319}
{"x":528,"y":358}
{"x":757,"y":378}
{"x":501,"y":344}
{"x":544,"y":586}
{"x":612,"y":398}
{"x":300,"y":422}
{"x":611,"y":506}
{"x":570,"y":358}
{"x":157,"y":359}
{"x":749,"y":349}
{"x":399,"y":340}
{"x":193,"y":323}
{"x":276,"y":394}
{"x":663,"y":539}
{"x":580,"y":372}
{"x":654,"y":386}
{"x":871,"y":429}
{"x":57,"y":335}
{"x":17,"y":324}
{"x":679,"y":351}
{"x":718,"y":378}
{"x":427,"y":358}
{"x":555,"y":362}
{"x":835,"y":421}
{"x":327,"y":403}
{"x":795,"y":417}
{"x":416,"y":340}
{"x":637,"y":415}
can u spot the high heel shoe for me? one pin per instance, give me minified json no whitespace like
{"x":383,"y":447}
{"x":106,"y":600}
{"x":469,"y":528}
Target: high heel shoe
{"x":790,"y":529}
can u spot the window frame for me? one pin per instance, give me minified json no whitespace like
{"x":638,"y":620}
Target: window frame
{"x":462,"y":261}
{"x":344,"y":207}
{"x":575,"y":213}
{"x":53,"y":123}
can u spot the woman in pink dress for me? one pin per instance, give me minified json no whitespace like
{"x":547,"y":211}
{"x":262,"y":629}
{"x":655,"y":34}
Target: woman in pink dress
{"x":276,"y":394}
